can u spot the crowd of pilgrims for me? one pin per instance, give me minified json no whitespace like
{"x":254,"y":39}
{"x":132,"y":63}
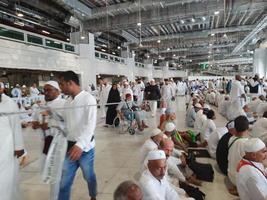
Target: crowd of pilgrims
{"x":168,"y":158}
{"x":168,"y":165}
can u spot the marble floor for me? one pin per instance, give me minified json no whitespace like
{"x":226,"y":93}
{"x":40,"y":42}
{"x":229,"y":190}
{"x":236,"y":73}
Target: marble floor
{"x":117,"y":159}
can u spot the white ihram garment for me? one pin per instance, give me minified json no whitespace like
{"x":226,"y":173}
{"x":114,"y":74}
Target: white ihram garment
{"x":11,"y":140}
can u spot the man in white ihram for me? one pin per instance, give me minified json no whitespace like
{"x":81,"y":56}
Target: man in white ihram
{"x":11,"y":148}
{"x":252,"y":177}
{"x":103,"y":97}
{"x":237,"y":93}
{"x":153,"y":181}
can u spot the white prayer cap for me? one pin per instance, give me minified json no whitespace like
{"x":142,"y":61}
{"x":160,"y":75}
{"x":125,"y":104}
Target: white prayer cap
{"x":2,"y":85}
{"x":169,"y":127}
{"x":54,"y":84}
{"x":156,"y":155}
{"x":169,"y":111}
{"x":198,"y":105}
{"x":155,"y":132}
{"x":254,"y":145}
{"x":27,"y":105}
{"x":24,"y":86}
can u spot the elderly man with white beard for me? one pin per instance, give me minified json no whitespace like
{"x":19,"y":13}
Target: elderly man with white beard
{"x":12,"y":147}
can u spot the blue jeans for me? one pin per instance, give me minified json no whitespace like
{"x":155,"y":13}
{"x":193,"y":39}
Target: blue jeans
{"x":86,"y":162}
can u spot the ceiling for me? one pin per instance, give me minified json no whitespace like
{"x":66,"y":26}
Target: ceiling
{"x":185,"y":32}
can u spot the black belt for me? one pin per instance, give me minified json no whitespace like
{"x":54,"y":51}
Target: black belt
{"x":72,"y":143}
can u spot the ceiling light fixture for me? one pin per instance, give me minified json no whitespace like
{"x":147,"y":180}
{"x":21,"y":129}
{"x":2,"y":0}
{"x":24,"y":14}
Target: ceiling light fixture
{"x":182,"y":21}
{"x":224,"y":35}
{"x":212,"y":34}
{"x":168,"y":49}
{"x":46,"y":32}
{"x":210,"y":44}
{"x":119,"y":47}
{"x":204,"y":18}
{"x":209,"y":52}
{"x":113,"y":53}
{"x":158,"y":41}
{"x":20,"y":15}
{"x":193,"y":20}
{"x":19,"y":23}
{"x":82,"y":37}
{"x":103,"y":50}
{"x":68,"y":39}
{"x":174,"y":55}
{"x":217,"y":12}
{"x":139,"y":24}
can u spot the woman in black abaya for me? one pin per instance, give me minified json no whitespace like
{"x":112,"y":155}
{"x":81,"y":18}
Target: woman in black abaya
{"x":113,"y":97}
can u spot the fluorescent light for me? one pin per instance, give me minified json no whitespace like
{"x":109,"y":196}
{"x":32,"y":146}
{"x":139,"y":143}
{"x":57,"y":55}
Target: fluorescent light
{"x":210,"y":44}
{"x":82,"y":37}
{"x":148,"y":56}
{"x":212,"y":34}
{"x":68,"y":39}
{"x":46,"y":32}
{"x":20,"y":15}
{"x":119,"y":47}
{"x":57,"y":42}
{"x":113,"y":53}
{"x":19,"y":23}
{"x":139,"y":24}
{"x":103,"y":50}
{"x":158,"y":41}
{"x":103,"y":45}
{"x":204,"y":18}
{"x":182,"y":21}
{"x":209,"y":52}
{"x":168,"y":49}
{"x":173,"y":55}
{"x":216,"y":12}
{"x":190,"y":60}
{"x":193,"y":20}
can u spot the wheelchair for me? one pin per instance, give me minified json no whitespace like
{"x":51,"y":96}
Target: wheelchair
{"x":126,"y":122}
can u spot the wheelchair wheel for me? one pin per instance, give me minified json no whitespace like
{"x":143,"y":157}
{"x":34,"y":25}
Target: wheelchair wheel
{"x":131,"y":130}
{"x":116,"y":122}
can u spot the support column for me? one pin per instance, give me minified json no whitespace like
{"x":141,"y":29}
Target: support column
{"x":260,"y":62}
{"x":87,"y":60}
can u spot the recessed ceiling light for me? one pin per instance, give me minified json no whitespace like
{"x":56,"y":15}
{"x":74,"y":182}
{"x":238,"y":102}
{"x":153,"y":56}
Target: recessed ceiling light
{"x":168,"y":49}
{"x":82,"y":37}
{"x":182,"y":21}
{"x":190,"y":60}
{"x":139,"y":24}
{"x":148,"y":56}
{"x":212,"y":34}
{"x":158,"y":41}
{"x":217,"y":12}
{"x":174,"y":55}
{"x":46,"y":32}
{"x":119,"y":47}
{"x":193,"y":20}
{"x":209,"y":52}
{"x":224,"y":35}
{"x":68,"y":39}
{"x":20,"y":15}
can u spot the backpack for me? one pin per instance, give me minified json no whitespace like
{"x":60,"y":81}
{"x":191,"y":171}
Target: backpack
{"x":203,"y":171}
{"x":192,"y":191}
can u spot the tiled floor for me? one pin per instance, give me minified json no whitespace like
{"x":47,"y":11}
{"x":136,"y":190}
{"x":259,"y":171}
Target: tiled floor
{"x":117,"y":159}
